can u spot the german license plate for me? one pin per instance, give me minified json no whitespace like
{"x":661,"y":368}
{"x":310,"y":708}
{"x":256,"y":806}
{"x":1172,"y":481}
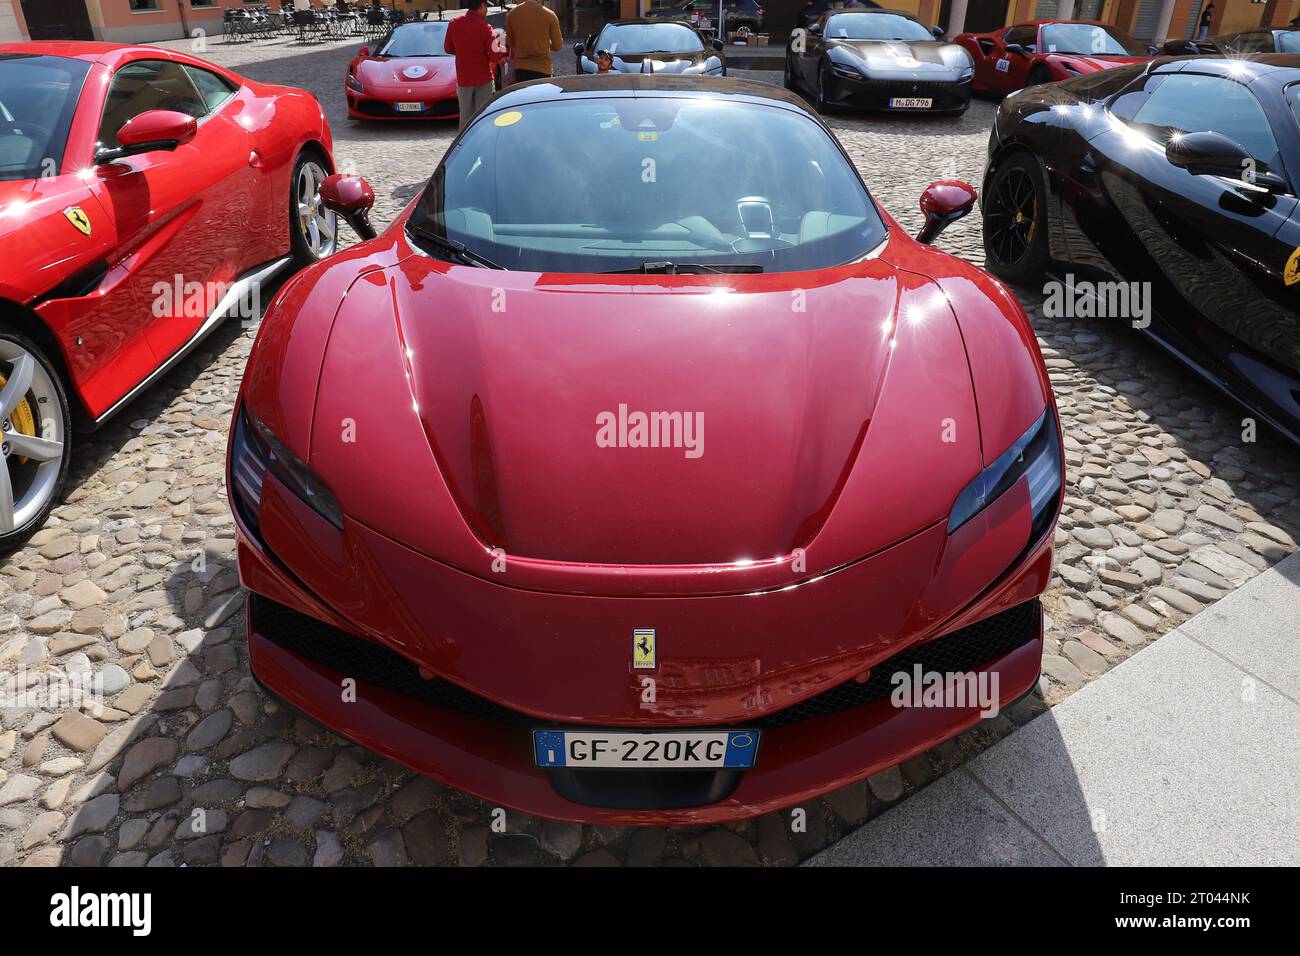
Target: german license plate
{"x":673,"y":749}
{"x":910,"y":102}
{"x":410,"y":107}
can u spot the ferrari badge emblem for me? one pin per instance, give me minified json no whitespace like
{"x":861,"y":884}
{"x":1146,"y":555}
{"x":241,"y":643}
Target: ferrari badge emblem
{"x":1292,"y":274}
{"x":643,"y":649}
{"x":77,"y":216}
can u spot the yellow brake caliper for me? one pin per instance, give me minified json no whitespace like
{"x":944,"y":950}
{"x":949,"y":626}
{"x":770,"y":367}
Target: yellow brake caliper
{"x":22,"y":419}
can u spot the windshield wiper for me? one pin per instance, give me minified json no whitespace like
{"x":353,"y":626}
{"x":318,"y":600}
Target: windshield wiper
{"x":454,"y":247}
{"x":686,"y":268}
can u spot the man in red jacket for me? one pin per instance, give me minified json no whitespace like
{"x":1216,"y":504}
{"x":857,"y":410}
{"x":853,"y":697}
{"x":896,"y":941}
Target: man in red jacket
{"x":474,"y":45}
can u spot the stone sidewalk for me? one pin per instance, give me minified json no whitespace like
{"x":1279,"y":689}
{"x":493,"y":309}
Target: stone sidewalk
{"x":1184,"y":755}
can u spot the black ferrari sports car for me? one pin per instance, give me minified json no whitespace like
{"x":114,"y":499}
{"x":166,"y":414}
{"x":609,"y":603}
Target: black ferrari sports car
{"x":650,"y":46}
{"x":878,"y":60}
{"x":1248,"y":41}
{"x":1176,"y":181}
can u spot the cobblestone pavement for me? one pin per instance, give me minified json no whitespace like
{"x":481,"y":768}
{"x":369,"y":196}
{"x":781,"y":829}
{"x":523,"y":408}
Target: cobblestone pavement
{"x":1167,"y":510}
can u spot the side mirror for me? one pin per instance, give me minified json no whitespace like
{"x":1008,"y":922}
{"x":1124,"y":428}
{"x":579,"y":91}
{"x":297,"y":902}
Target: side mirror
{"x":364,"y":51}
{"x":149,"y":132}
{"x":352,"y":198}
{"x":1015,"y":48}
{"x":719,"y":45}
{"x":1213,"y":154}
{"x":579,"y":49}
{"x":943,"y":203}
{"x":1153,"y":49}
{"x":937,"y":32}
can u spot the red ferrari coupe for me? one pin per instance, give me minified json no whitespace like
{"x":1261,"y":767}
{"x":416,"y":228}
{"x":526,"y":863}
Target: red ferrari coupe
{"x":144,"y":196}
{"x":409,"y":76}
{"x":1046,"y":50}
{"x":638,"y":509}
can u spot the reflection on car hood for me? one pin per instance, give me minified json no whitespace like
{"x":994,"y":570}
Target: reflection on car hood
{"x":916,"y":57}
{"x":659,"y":63}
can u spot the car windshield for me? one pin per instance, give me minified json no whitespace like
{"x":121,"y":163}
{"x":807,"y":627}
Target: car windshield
{"x":38,"y":95}
{"x":725,"y":186}
{"x":637,"y":38}
{"x":416,"y":39}
{"x":1089,"y":40}
{"x":874,"y":26}
{"x":1288,"y":41}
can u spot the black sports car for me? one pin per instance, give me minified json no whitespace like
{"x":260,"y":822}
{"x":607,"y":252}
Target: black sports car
{"x":650,"y":46}
{"x":878,"y":60}
{"x":1248,"y":41}
{"x":1176,"y":179}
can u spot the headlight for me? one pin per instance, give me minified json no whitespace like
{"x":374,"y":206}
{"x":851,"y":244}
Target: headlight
{"x":355,"y":84}
{"x":1036,"y":454}
{"x":255,"y":450}
{"x":848,"y":72}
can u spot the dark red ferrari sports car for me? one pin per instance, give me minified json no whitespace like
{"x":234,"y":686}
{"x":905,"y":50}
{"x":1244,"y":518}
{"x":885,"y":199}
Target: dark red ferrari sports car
{"x":144,"y":196}
{"x":1042,"y":51}
{"x":408,"y":76}
{"x":636,"y":510}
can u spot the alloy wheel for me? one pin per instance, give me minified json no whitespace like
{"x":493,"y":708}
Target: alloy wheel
{"x":31,"y":436}
{"x":1012,"y":216}
{"x":319,"y":226}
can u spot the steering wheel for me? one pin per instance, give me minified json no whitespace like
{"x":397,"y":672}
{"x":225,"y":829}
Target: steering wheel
{"x":26,"y":128}
{"x":758,"y":226}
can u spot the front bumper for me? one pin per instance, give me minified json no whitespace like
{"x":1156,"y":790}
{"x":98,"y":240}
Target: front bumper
{"x":947,"y":96}
{"x":369,"y":106}
{"x":822,"y":730}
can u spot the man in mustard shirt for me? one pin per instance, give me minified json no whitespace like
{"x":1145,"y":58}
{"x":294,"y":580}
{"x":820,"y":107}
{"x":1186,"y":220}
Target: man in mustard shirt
{"x":532,"y":33}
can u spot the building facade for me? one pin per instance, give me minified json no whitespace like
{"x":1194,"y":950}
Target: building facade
{"x":141,"y":21}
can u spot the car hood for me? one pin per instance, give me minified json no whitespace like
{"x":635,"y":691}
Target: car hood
{"x":406,"y":73}
{"x":915,"y":58}
{"x":660,"y":63}
{"x":530,"y":391}
{"x":1091,"y":64}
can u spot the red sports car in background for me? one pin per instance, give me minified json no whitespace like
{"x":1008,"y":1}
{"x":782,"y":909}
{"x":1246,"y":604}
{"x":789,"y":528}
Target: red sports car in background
{"x":144,"y":195}
{"x":409,"y":76}
{"x":1042,"y":51}
{"x":634,"y":510}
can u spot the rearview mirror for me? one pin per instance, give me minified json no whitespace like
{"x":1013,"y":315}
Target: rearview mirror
{"x":719,"y":45}
{"x":151,"y":131}
{"x":352,"y":198}
{"x":364,"y":51}
{"x":943,"y":203}
{"x":579,"y":49}
{"x":937,"y":32}
{"x":1213,"y":154}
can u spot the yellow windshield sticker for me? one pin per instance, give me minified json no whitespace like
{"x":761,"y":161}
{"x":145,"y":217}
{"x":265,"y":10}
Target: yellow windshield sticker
{"x":509,"y":119}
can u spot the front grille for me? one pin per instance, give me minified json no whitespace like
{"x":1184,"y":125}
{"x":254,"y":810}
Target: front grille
{"x":963,"y":650}
{"x":355,"y":657}
{"x":911,"y":87}
{"x":384,"y":110}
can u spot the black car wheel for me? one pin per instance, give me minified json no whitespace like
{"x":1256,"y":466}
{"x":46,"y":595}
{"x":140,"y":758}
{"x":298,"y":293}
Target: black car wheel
{"x":787,"y":76}
{"x":1015,"y":221}
{"x":823,"y":79}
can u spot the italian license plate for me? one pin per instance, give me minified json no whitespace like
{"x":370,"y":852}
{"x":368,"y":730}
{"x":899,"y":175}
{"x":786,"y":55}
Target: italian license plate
{"x":910,"y":102}
{"x":410,"y":107}
{"x":673,"y":750}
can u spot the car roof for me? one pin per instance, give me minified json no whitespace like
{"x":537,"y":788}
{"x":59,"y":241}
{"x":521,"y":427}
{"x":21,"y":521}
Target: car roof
{"x":641,"y":85}
{"x":89,"y":50}
{"x":1278,"y":68}
{"x":652,"y":20}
